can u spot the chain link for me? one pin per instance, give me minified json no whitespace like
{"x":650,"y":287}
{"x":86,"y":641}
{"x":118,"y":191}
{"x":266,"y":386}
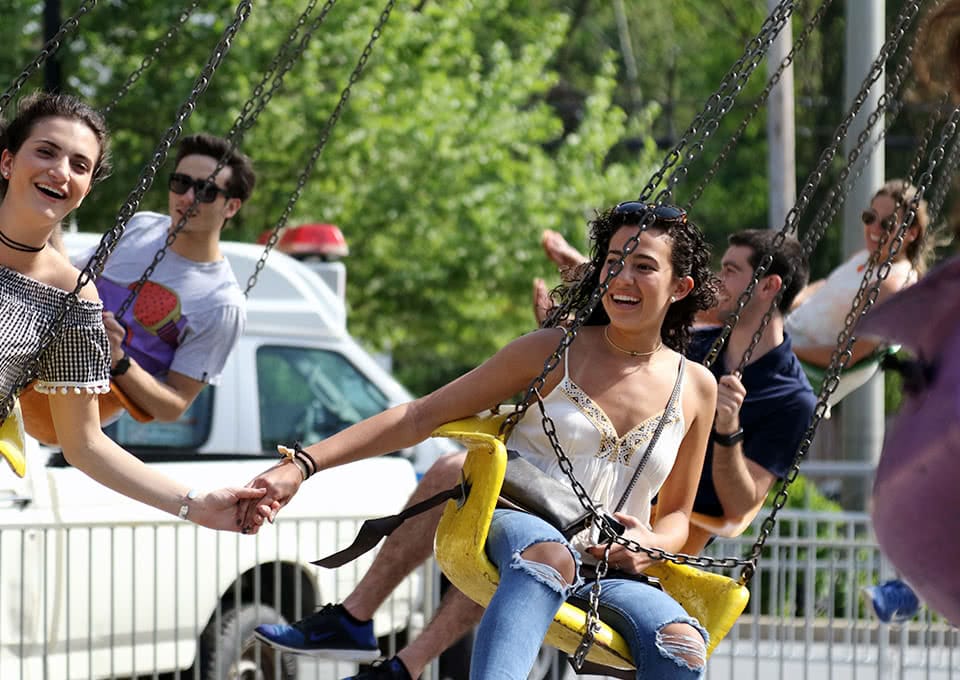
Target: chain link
{"x":48,"y":50}
{"x":318,"y":149}
{"x":150,"y":58}
{"x":904,"y":19}
{"x":279,"y":66}
{"x":109,"y":240}
{"x":785,"y":63}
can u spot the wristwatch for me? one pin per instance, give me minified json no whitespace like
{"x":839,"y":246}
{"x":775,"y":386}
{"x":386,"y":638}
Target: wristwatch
{"x":185,"y":508}
{"x":121,"y":366}
{"x":728,"y":439}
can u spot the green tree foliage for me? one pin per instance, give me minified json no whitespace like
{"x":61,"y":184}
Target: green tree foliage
{"x":475,"y":126}
{"x":445,"y":167}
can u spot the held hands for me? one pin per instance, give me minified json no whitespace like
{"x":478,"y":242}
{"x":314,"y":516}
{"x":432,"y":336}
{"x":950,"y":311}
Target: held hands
{"x":730,"y":396}
{"x":275,"y":487}
{"x":622,"y":558}
{"x":216,"y":509}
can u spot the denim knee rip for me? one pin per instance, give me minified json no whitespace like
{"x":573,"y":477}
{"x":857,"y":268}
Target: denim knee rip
{"x":681,"y":648}
{"x":544,"y":573}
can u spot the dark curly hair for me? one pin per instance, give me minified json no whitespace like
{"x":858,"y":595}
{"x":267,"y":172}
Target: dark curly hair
{"x":689,"y":256}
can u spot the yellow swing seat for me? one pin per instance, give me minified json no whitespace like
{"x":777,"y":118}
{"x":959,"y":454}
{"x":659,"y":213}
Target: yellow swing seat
{"x":716,"y":601}
{"x":12,"y":440}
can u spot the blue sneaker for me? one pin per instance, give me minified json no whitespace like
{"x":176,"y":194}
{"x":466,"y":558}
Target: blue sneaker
{"x":330,"y":632}
{"x":893,"y":601}
{"x":391,"y":669}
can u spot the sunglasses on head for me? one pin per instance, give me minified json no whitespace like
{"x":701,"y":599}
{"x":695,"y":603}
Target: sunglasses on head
{"x":870,"y":216}
{"x":205,"y":190}
{"x":634,"y":212}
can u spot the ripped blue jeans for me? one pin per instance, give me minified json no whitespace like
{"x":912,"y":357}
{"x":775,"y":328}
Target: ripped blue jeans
{"x":520,"y":613}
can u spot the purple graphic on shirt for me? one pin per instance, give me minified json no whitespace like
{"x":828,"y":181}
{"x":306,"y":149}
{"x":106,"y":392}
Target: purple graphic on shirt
{"x":154,"y":322}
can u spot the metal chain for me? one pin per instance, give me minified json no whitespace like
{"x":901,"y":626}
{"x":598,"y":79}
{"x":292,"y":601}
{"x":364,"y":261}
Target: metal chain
{"x":324,"y":136}
{"x":863,"y":301}
{"x":904,"y":19}
{"x":109,"y":240}
{"x":943,"y":185}
{"x":785,"y":63}
{"x":49,"y":48}
{"x":732,"y":81}
{"x":283,"y":60}
{"x":150,"y":58}
{"x":726,"y":103}
{"x":835,"y":199}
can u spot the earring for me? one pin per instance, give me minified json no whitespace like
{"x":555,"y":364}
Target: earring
{"x":673,"y":298}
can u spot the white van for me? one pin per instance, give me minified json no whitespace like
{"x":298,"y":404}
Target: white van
{"x":95,"y":585}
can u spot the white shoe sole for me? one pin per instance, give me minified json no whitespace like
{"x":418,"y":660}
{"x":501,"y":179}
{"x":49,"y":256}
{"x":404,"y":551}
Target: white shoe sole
{"x":336,"y":654}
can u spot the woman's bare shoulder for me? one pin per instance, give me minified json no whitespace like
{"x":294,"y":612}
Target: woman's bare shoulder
{"x":65,"y":276}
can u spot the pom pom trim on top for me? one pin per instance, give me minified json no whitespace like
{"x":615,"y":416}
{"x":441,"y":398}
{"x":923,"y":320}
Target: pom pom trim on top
{"x":98,"y":387}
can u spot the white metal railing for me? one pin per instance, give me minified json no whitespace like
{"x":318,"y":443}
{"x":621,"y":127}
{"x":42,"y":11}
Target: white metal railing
{"x":115,"y":601}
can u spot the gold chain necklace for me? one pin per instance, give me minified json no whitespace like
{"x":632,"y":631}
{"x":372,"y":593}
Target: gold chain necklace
{"x":606,"y":334}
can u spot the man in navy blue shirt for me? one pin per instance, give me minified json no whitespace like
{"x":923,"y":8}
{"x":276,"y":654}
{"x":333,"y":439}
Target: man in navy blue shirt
{"x":761,"y":415}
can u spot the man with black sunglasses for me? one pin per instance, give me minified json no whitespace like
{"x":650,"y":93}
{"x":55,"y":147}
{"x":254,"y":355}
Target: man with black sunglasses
{"x":176,"y":335}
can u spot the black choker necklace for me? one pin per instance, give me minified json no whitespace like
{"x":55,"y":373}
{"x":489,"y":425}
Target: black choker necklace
{"x":22,"y":247}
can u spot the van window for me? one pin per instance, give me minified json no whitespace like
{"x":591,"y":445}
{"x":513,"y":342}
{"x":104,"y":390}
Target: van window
{"x":308,"y":394}
{"x":189,"y":431}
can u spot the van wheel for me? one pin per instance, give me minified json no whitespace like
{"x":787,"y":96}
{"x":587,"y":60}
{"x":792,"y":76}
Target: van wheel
{"x":256,"y":661}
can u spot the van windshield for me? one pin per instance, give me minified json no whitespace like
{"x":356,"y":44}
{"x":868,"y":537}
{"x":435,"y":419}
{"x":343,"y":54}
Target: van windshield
{"x":308,"y":394}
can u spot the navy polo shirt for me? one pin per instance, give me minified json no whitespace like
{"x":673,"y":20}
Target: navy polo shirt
{"x":775,"y":414}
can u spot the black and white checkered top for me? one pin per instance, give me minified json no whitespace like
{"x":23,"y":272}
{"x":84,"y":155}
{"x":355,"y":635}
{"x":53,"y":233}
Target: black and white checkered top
{"x":78,"y":359}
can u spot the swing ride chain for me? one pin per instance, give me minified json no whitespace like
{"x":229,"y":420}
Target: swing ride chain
{"x":756,"y":48}
{"x":906,"y":16}
{"x":943,"y":183}
{"x":681,"y":170}
{"x":150,"y":58}
{"x":785,"y":63}
{"x":862,"y":302}
{"x":835,"y":199}
{"x":49,"y":48}
{"x":724,"y":94}
{"x":109,"y":240}
{"x":593,"y":611}
{"x":318,"y":149}
{"x":282,"y":61}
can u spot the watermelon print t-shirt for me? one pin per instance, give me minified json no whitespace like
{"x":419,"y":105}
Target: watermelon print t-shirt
{"x":187,"y":317}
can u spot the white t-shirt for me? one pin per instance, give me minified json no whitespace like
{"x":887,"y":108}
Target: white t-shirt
{"x":187,"y":317}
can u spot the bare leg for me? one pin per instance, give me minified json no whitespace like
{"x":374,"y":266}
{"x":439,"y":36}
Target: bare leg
{"x":407,"y":547}
{"x":455,"y":616}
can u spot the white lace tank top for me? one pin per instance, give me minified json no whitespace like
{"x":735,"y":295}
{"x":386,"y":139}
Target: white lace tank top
{"x":821,"y":317}
{"x":602,"y":461}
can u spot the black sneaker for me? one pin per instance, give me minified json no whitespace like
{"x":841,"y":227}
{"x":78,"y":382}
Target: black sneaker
{"x":330,"y":632}
{"x":391,"y":669}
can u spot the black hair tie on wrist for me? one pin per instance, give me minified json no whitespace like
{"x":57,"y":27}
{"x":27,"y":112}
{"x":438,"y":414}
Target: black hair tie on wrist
{"x":306,"y":458}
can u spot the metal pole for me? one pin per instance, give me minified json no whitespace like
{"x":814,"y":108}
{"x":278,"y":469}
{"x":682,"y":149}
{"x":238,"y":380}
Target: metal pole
{"x":861,"y":412}
{"x":781,"y":161}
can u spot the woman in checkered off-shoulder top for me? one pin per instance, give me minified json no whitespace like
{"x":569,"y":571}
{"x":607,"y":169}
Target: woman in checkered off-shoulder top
{"x":53,"y":151}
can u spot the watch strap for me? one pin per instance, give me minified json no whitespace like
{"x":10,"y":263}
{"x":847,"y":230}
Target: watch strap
{"x":728,"y":439}
{"x":121,"y":366}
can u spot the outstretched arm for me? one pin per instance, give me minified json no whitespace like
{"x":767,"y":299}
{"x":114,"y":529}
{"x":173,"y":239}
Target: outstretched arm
{"x":85,"y":446}
{"x":505,"y":374}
